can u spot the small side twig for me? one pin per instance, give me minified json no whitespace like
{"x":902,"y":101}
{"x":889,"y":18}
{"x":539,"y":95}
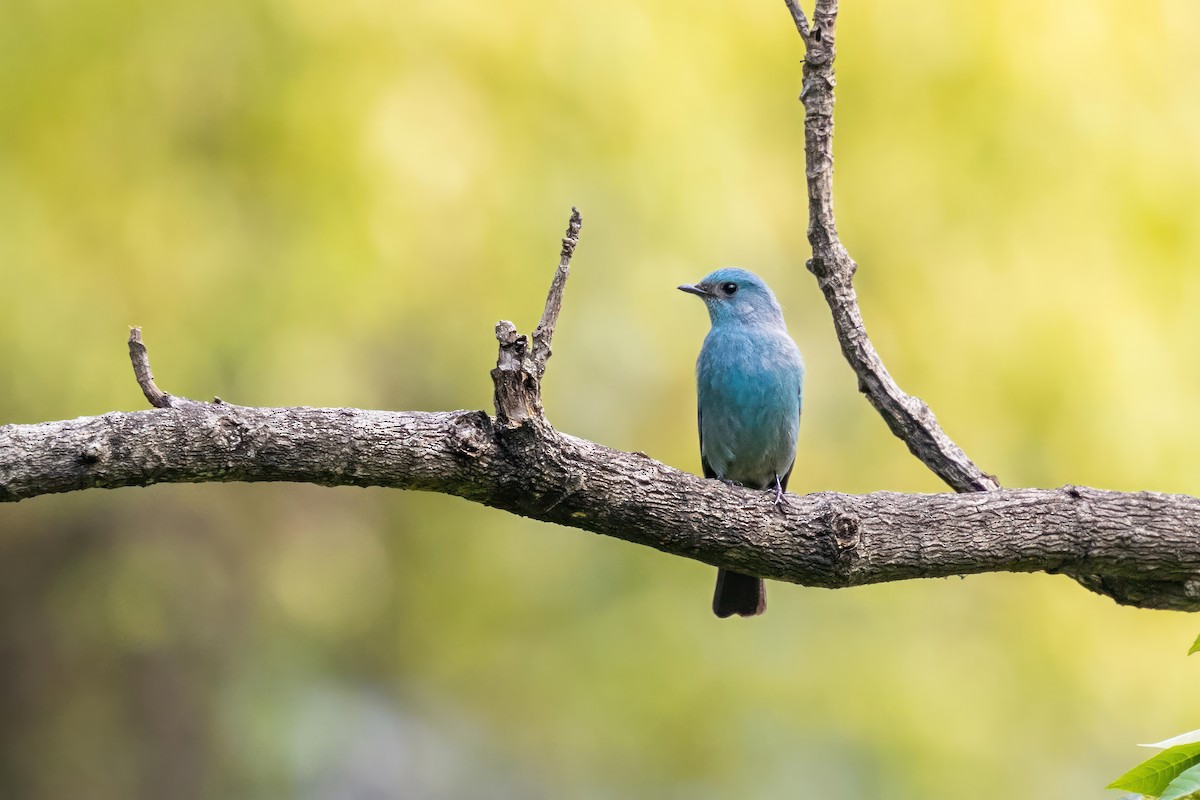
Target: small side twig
{"x":141,"y":370}
{"x":145,"y":378}
{"x":544,"y":332}
{"x":908,"y":417}
{"x":520,"y":367}
{"x":799,"y":18}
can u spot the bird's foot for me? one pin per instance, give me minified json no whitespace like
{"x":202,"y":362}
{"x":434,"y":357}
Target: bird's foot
{"x":780,"y":499}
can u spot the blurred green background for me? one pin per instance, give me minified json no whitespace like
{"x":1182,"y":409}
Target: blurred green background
{"x":331,"y":203}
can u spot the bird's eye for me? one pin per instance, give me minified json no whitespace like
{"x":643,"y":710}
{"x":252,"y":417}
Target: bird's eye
{"x":729,"y":288}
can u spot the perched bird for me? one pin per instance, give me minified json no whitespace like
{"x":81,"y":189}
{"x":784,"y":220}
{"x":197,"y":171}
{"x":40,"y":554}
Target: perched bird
{"x":748,"y":383}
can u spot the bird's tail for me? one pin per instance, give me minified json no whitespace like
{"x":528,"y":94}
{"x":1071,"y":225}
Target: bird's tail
{"x":738,"y":594}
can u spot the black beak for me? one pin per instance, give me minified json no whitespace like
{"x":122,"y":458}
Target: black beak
{"x":693,"y":289}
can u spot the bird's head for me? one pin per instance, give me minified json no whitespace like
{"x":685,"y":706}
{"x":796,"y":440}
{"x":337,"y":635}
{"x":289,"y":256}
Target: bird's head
{"x":734,"y":296}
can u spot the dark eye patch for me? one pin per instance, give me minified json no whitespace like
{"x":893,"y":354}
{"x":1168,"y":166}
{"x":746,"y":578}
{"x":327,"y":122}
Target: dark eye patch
{"x":729,"y":288}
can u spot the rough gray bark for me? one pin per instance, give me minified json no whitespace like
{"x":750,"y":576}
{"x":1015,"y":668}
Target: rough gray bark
{"x":1143,"y":546}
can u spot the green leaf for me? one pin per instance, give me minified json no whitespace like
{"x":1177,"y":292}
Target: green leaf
{"x":1186,"y":785}
{"x":1191,"y":737}
{"x":1155,"y":774}
{"x":1195,"y":646}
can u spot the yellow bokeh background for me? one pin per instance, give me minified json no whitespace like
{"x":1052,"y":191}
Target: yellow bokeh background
{"x":330,"y":204}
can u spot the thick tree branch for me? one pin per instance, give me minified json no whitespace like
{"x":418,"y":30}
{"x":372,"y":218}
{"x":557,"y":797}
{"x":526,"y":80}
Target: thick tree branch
{"x":908,"y":417}
{"x":1139,"y":549}
{"x":1143,"y":547}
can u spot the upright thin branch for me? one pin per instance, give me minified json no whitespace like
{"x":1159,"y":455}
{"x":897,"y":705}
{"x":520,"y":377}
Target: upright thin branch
{"x":545,"y":329}
{"x":908,"y":417}
{"x":520,"y":368}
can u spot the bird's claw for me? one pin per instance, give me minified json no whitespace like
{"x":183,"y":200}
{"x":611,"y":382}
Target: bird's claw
{"x":780,"y":499}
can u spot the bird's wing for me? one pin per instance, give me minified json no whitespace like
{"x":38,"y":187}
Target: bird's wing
{"x":784,"y":480}
{"x":708,"y":471}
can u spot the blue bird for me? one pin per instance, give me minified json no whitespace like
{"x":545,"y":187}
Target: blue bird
{"x":749,"y":378}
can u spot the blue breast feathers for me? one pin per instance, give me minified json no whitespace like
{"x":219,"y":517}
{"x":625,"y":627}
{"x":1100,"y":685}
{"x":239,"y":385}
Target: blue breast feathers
{"x":749,"y":380}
